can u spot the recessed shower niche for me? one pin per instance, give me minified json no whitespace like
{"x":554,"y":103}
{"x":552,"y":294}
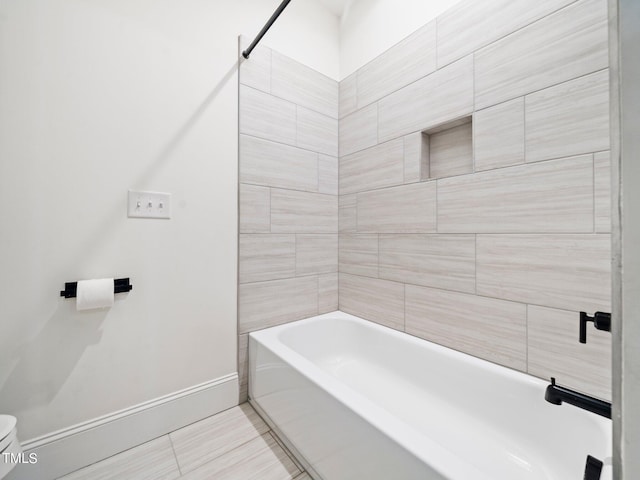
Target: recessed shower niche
{"x":447,"y":149}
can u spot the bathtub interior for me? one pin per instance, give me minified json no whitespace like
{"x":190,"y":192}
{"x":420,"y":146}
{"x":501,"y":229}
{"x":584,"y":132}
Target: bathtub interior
{"x":493,"y":417}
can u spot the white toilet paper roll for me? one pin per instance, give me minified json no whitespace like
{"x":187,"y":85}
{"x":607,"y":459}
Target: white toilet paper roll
{"x":94,"y":294}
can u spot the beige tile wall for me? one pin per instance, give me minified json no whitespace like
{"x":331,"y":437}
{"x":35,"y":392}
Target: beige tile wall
{"x":288,"y":156}
{"x":495,"y":259}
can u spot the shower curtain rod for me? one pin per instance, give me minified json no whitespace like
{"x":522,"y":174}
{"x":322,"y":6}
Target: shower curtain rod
{"x":266,"y":27}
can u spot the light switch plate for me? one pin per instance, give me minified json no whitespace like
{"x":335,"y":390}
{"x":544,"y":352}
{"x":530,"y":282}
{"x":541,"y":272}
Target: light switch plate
{"x":149,"y":204}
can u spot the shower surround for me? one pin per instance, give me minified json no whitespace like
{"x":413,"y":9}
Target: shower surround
{"x":288,"y":249}
{"x":473,"y":206}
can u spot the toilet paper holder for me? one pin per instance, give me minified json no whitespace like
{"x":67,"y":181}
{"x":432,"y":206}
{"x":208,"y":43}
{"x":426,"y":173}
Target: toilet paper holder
{"x":120,"y":285}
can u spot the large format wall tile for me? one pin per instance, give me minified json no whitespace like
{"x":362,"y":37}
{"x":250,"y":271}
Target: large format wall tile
{"x":266,"y":304}
{"x":498,"y":135}
{"x":442,"y":261}
{"x":602,"y":179}
{"x":565,"y":45}
{"x":327,"y":174}
{"x":359,"y":130}
{"x":317,"y":132}
{"x":347,"y":213}
{"x":302,"y":212}
{"x":571,"y":272}
{"x":411,"y":59}
{"x":265,"y":116}
{"x":277,"y":165}
{"x":470,"y":24}
{"x":554,"y":351}
{"x":404,"y":209}
{"x":568,"y":119}
{"x":553,"y":196}
{"x":485,"y":327}
{"x":438,"y":98}
{"x":378,"y":300}
{"x":316,"y":253}
{"x":379,"y":166}
{"x":348,"y":94}
{"x":256,"y":70}
{"x":359,"y":255}
{"x":266,"y":257}
{"x":327,"y":293}
{"x":255,"y":209}
{"x":303,"y":86}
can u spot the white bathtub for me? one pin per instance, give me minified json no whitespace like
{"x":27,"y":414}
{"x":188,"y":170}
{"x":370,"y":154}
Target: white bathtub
{"x":360,"y":401}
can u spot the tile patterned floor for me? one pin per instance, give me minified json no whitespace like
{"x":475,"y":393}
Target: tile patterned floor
{"x":233,"y":445}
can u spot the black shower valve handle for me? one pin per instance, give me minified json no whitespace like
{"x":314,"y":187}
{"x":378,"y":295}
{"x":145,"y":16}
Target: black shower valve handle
{"x":601,"y":320}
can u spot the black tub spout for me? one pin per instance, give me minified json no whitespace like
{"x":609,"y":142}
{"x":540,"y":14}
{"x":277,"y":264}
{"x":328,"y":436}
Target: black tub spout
{"x":557,"y":394}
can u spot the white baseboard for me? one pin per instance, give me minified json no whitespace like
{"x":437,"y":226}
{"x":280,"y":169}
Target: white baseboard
{"x":72,"y":448}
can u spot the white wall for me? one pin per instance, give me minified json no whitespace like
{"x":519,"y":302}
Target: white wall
{"x":369,"y":27}
{"x":96,"y":98}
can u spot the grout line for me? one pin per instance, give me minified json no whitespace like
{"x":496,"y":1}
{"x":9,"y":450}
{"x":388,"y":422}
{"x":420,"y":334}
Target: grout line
{"x":463,"y":293}
{"x":295,"y":255}
{"x":295,"y":147}
{"x":287,"y":100}
{"x":288,"y":189}
{"x":404,"y":307}
{"x":173,"y":449}
{"x":378,"y":265}
{"x":593,"y":178}
{"x":308,"y":275}
{"x":475,"y":264}
{"x":526,"y":346}
{"x":404,"y":160}
{"x":437,"y":231}
{"x":481,"y":172}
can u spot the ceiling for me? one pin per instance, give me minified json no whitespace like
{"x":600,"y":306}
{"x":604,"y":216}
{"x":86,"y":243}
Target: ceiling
{"x":337,"y":7}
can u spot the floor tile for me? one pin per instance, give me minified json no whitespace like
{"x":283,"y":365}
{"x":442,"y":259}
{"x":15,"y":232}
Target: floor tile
{"x":259,"y":459}
{"x":153,"y":460}
{"x":208,"y":439}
